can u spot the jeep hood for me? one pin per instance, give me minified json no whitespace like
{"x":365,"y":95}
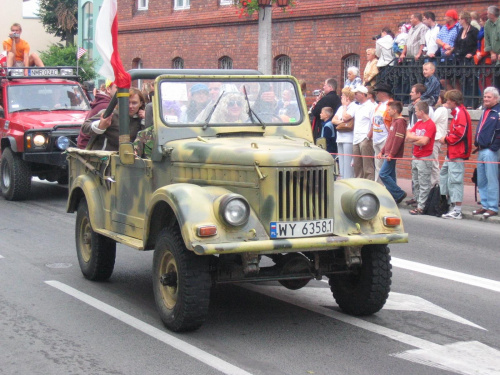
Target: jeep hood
{"x":266,"y":151}
{"x":45,"y":119}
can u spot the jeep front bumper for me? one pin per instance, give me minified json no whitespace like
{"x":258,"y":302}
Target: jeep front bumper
{"x":298,"y":244}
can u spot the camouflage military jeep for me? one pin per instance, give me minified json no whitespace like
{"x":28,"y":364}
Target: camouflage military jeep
{"x":234,"y":190}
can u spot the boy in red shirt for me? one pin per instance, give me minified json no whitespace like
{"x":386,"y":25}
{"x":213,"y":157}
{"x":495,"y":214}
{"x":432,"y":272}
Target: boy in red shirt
{"x":459,"y":141}
{"x":422,"y":137}
{"x":393,"y":149}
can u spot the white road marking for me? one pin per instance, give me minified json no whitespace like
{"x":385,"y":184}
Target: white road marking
{"x":1,"y":257}
{"x":450,"y":357}
{"x":467,"y":358}
{"x":447,"y":274}
{"x":407,"y":302}
{"x":193,"y":351}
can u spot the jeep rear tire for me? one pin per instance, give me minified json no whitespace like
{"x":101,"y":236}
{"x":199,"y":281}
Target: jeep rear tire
{"x":15,"y":176}
{"x":365,"y":290}
{"x":181,"y":283}
{"x":96,"y":253}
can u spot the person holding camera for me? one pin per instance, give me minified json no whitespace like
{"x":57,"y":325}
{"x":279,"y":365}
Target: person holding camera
{"x":18,"y":50}
{"x":383,"y":48}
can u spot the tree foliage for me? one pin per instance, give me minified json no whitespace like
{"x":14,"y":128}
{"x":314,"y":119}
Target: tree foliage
{"x":60,"y":17}
{"x":57,"y":55}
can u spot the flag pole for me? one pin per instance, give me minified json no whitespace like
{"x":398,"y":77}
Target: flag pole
{"x":77,"y":48}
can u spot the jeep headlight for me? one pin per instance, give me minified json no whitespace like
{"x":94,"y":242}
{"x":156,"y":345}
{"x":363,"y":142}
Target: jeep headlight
{"x":234,"y":209}
{"x":62,"y":142}
{"x":39,"y":140}
{"x":360,"y":204}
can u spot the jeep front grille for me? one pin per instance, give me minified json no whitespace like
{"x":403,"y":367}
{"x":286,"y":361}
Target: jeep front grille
{"x":302,"y":194}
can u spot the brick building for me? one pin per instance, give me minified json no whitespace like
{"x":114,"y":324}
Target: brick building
{"x":316,"y":40}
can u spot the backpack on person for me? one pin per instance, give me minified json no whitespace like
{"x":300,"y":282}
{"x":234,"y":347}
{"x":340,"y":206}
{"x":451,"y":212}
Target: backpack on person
{"x":436,"y":204}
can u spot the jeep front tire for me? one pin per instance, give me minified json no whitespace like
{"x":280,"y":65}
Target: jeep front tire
{"x":181,"y":282}
{"x":365,"y":289}
{"x":15,"y":176}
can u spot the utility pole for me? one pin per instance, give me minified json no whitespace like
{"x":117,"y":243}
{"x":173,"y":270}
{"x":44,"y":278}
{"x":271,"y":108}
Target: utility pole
{"x":265,"y":43}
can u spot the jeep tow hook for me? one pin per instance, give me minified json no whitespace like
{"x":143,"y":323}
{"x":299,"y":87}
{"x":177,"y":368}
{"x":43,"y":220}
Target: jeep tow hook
{"x":169,"y":279}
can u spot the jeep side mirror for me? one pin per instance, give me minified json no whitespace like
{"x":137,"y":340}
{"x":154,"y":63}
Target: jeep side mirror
{"x":127,"y":155}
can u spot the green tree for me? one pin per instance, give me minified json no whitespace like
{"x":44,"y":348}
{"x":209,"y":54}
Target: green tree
{"x":60,"y":17}
{"x":57,"y":55}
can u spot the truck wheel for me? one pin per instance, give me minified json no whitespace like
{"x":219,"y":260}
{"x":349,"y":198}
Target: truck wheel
{"x":15,"y":176}
{"x":96,"y":253}
{"x":365,"y":290}
{"x":181,"y":283}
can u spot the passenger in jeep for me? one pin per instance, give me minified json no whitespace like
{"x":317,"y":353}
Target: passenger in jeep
{"x":101,"y":101}
{"x":104,"y":132}
{"x":18,"y":50}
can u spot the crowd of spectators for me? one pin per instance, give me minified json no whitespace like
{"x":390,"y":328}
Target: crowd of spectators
{"x":438,"y":120}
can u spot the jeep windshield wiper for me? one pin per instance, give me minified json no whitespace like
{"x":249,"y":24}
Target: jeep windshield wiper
{"x":251,"y":112}
{"x":207,"y":120}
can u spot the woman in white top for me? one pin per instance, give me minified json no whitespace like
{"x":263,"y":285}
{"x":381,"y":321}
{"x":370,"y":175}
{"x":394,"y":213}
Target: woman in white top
{"x":440,"y":118}
{"x":344,"y":140}
{"x":383,"y":49}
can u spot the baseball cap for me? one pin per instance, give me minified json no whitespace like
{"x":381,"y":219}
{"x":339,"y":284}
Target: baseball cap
{"x":199,"y":87}
{"x":361,"y":89}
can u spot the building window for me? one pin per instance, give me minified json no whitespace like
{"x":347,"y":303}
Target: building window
{"x":88,"y":29}
{"x":225,"y":62}
{"x":351,"y":60}
{"x":142,"y":4}
{"x":226,"y":2}
{"x":283,"y":65}
{"x":182,"y":4}
{"x":178,"y":63}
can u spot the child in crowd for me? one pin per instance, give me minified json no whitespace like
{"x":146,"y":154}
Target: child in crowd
{"x":393,"y":149}
{"x":421,"y":135}
{"x":432,"y":84}
{"x":328,"y":131}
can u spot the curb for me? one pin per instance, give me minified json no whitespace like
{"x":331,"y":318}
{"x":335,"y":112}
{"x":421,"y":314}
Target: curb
{"x":466,"y":214}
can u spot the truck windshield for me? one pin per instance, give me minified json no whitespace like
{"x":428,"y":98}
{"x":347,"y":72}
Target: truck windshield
{"x":56,"y":97}
{"x":230,"y":102}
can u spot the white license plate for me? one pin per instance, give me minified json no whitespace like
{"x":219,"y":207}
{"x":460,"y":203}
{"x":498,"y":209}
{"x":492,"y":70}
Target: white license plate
{"x":44,"y":72}
{"x":294,"y":229}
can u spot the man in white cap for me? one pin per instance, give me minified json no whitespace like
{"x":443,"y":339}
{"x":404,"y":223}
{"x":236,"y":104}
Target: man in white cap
{"x":364,"y":166}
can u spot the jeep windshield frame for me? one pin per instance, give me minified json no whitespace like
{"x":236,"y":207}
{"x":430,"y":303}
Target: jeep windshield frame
{"x":229,"y":102}
{"x":32,"y":97}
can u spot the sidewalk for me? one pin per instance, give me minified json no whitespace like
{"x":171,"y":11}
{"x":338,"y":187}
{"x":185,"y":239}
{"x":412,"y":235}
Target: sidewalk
{"x":468,"y":205}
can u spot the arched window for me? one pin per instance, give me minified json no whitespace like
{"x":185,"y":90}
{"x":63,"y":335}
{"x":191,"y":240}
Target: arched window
{"x":283,"y":65}
{"x":142,"y":4}
{"x":350,"y":60}
{"x":225,"y":62}
{"x":88,"y":28}
{"x":178,"y":63}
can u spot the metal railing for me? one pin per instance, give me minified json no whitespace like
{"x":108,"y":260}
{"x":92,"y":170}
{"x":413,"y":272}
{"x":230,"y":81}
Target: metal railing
{"x":467,"y":77}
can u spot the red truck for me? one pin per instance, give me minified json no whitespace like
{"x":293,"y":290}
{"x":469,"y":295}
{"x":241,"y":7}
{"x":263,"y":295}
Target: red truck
{"x":40,"y":116}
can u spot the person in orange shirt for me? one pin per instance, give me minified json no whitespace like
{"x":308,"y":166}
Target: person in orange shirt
{"x":18,"y":50}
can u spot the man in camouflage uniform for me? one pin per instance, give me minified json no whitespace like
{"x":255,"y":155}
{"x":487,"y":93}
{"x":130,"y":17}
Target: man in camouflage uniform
{"x":143,"y":144}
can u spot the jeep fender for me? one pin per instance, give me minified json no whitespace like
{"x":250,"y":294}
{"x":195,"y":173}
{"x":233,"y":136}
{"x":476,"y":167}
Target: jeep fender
{"x":344,"y":224}
{"x":194,"y":206}
{"x":9,"y":142}
{"x":84,"y":187}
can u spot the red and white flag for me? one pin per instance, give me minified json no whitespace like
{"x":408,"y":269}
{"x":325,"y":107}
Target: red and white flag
{"x":106,"y":39}
{"x":81,"y":51}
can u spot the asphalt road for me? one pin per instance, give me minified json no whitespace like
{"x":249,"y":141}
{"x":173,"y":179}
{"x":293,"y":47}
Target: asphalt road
{"x":53,"y":321}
